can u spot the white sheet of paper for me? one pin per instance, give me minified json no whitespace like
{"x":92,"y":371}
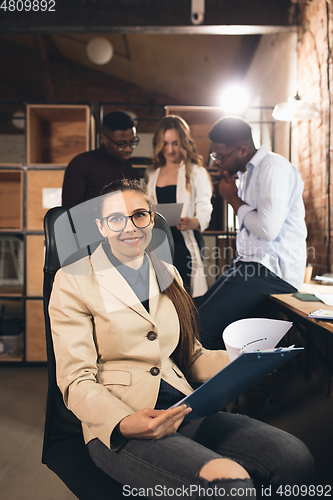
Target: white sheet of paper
{"x":327,"y":278}
{"x":252,"y":334}
{"x":327,"y":298}
{"x":321,"y":314}
{"x":170,"y":211}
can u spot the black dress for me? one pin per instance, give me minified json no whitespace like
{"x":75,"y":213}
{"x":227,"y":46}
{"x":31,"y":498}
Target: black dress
{"x":182,"y":258}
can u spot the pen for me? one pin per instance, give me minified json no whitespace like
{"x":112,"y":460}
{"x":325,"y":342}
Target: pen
{"x":273,"y":349}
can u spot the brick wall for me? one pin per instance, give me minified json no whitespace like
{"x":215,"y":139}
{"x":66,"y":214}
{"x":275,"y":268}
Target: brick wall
{"x":271,"y":79}
{"x":313,"y":135}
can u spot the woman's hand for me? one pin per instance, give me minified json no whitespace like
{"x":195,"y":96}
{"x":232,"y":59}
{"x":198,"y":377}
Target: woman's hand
{"x":186,"y":223}
{"x":153,"y":424}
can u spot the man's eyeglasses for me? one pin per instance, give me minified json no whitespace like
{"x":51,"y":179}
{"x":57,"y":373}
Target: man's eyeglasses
{"x":118,"y":222}
{"x":123,"y":145}
{"x":221,"y":158}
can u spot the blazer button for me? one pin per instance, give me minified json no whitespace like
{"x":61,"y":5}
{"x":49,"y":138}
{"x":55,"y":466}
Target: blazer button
{"x":151,"y":335}
{"x":154,"y":371}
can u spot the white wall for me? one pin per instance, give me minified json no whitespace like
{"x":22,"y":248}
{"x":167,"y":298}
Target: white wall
{"x":271,"y":78}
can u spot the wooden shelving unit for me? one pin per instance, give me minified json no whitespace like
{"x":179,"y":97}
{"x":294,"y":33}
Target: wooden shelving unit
{"x":57,"y":133}
{"x":11,"y":199}
{"x":43,"y":191}
{"x":54,"y":133}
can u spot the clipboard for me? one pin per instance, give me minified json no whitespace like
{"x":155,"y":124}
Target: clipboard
{"x":235,"y":379}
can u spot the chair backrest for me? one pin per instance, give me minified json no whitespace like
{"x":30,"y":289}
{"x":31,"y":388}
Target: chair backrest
{"x":61,"y":423}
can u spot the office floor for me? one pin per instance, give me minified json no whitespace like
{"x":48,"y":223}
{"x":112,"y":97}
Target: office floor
{"x":22,"y":402}
{"x":300,"y":407}
{"x":287,"y":401}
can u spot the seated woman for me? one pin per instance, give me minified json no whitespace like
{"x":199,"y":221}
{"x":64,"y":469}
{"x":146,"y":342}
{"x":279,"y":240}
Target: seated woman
{"x":126,"y":349}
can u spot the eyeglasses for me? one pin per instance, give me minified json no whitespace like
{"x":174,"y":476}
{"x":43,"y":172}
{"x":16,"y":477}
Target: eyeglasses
{"x":123,"y":145}
{"x":222,"y":158}
{"x":118,"y":222}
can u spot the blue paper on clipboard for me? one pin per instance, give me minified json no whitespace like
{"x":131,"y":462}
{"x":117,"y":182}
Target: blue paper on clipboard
{"x":235,"y":379}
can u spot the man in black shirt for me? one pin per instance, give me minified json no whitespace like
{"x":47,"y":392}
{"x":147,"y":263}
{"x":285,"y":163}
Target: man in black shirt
{"x":89,"y":172}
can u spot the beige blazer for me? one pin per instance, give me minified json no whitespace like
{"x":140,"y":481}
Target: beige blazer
{"x":108,"y":366}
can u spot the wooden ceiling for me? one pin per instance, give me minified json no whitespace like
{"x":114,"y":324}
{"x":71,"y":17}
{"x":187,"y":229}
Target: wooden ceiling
{"x":156,"y":45}
{"x":239,"y":16}
{"x":179,"y":65}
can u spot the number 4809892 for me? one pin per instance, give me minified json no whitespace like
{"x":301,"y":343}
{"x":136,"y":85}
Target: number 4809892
{"x":28,"y":5}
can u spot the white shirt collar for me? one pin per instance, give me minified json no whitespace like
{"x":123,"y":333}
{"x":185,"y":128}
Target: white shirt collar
{"x":258,"y":157}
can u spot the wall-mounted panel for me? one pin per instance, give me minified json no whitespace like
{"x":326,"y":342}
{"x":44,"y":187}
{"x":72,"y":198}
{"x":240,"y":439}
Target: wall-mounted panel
{"x":43,"y":192}
{"x":35,"y":342}
{"x":11,"y":195}
{"x":35,"y":263}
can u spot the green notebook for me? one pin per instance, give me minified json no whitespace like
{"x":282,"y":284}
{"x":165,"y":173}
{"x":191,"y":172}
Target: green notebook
{"x":306,"y":297}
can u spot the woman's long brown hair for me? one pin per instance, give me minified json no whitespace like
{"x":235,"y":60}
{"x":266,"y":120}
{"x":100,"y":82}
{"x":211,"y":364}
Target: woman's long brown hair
{"x":187,"y":146}
{"x":185,"y":309}
{"x":175,"y":292}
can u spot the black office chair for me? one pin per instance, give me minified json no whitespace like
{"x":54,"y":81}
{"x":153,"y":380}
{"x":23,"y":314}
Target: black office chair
{"x":64,"y":450}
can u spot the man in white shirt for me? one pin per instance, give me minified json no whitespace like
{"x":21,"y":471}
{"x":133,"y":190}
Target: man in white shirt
{"x":270,"y":243}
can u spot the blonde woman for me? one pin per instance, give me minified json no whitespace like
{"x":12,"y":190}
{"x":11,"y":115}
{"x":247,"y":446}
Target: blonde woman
{"x":178,"y":176}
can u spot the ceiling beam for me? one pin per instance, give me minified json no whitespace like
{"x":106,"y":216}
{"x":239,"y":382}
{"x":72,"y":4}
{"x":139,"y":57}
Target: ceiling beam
{"x":245,"y":55}
{"x":149,"y":16}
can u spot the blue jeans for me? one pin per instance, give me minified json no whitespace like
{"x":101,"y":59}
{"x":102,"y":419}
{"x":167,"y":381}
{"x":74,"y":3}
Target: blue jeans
{"x":271,"y":457}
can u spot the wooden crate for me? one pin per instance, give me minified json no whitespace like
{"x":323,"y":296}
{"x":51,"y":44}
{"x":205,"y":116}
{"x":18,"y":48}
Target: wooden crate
{"x":11,"y":264}
{"x":11,"y":191}
{"x":35,"y":263}
{"x":35,"y":343}
{"x":56,"y":133}
{"x":11,"y":329}
{"x":37,"y":181}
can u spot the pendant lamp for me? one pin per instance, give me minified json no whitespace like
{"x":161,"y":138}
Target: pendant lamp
{"x":294,"y":109}
{"x":100,"y":50}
